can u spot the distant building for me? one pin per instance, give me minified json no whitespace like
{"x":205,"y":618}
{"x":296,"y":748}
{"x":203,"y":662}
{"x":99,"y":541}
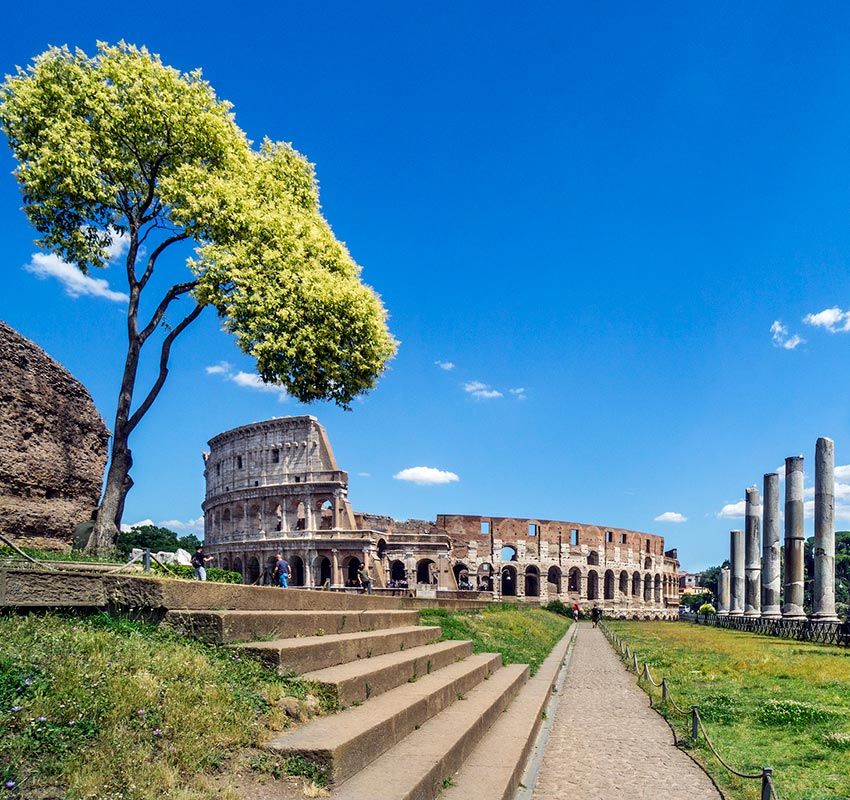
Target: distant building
{"x":690,"y":583}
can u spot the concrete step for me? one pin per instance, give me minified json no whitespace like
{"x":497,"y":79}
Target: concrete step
{"x":318,"y":652}
{"x":223,"y":627}
{"x":420,"y":765}
{"x":343,"y":744}
{"x":495,"y":767}
{"x":358,"y":681}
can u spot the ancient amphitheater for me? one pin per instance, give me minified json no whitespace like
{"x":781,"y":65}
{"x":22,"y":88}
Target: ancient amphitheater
{"x":275,"y":486}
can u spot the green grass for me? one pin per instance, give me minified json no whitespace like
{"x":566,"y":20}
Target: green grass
{"x":56,"y":555}
{"x":523,"y":635}
{"x":108,"y":707}
{"x":764,"y":701}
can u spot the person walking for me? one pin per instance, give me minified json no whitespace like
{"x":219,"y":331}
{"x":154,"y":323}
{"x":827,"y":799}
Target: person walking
{"x":282,"y":571}
{"x":576,"y":612}
{"x":365,"y":579}
{"x":199,"y":562}
{"x":596,"y":615}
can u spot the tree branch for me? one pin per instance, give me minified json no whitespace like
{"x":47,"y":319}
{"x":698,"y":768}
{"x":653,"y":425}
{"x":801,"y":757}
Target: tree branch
{"x":173,"y":293}
{"x":163,"y":368}
{"x":156,"y":254}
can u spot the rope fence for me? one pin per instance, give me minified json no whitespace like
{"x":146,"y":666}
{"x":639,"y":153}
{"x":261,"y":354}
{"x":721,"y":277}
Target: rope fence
{"x":697,"y":727}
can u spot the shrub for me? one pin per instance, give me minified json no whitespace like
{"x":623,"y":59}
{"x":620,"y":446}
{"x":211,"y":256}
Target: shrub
{"x":706,"y":609}
{"x":558,"y":607}
{"x":214,"y":574}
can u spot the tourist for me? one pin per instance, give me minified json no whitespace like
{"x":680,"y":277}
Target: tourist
{"x":596,"y":615}
{"x":282,"y":571}
{"x":199,"y":561}
{"x":576,"y":612}
{"x":365,"y":580}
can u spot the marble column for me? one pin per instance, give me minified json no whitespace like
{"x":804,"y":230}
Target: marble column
{"x":794,"y":543}
{"x":723,"y":593}
{"x":770,"y":549}
{"x":752,"y":554}
{"x":823,"y":594}
{"x":736,"y":556}
{"x":336,"y":577}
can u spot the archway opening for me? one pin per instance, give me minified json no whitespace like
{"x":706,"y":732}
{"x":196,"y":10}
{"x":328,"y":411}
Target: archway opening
{"x":326,"y":516}
{"x":382,"y":549}
{"x":461,"y":572}
{"x":593,"y":558}
{"x":253,"y":570}
{"x":296,"y":567}
{"x":398,"y":573}
{"x":636,"y":584}
{"x":426,"y":571}
{"x":657,"y":588}
{"x":351,"y":569}
{"x":509,"y":553}
{"x":624,"y":583}
{"x":574,"y":580}
{"x":647,"y":563}
{"x":324,"y":571}
{"x":609,"y":585}
{"x":237,"y":566}
{"x":301,"y":517}
{"x":532,"y":581}
{"x":647,"y":589}
{"x":592,"y":585}
{"x":485,"y":577}
{"x":225,"y":563}
{"x":553,"y":580}
{"x":508,"y":582}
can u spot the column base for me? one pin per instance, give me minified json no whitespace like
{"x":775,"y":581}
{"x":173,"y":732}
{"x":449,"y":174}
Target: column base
{"x":824,"y":618}
{"x":752,"y":614}
{"x":736,"y":613}
{"x":794,"y":613}
{"x":771,"y":614}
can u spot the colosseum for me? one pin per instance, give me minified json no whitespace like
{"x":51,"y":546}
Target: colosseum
{"x":275,"y":486}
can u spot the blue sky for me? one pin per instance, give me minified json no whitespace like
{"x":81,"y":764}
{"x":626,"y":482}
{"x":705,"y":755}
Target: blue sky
{"x":605,"y":206}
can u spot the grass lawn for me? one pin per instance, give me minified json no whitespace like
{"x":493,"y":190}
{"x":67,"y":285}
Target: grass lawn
{"x":765,"y":701}
{"x":522,"y":634}
{"x":103,"y":707}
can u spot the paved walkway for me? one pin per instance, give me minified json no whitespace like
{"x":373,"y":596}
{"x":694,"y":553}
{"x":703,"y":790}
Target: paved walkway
{"x":606,"y":743}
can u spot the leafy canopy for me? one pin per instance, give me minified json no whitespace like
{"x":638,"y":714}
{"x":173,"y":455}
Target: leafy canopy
{"x":119,"y":143}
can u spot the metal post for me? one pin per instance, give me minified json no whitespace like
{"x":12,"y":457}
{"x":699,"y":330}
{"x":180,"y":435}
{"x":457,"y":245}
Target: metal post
{"x":146,"y":560}
{"x":694,"y":722}
{"x":664,"y":690}
{"x":766,"y":784}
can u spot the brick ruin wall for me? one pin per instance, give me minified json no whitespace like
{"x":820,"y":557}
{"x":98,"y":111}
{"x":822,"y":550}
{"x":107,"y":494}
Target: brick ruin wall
{"x":52,"y":446}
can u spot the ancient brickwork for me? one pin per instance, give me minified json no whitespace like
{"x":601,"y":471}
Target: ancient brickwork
{"x":52,"y":446}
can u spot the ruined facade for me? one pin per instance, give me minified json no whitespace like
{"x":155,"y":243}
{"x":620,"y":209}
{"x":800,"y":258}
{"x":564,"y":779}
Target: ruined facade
{"x":275,"y":486}
{"x":52,"y":447}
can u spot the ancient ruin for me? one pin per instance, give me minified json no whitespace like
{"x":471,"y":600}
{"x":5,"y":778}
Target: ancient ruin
{"x":52,"y":447}
{"x":275,"y":486}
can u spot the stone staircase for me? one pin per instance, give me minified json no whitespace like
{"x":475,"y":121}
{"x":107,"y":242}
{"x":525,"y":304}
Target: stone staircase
{"x":419,"y":717}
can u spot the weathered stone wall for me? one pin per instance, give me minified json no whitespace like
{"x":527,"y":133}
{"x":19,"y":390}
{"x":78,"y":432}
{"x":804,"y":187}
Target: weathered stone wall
{"x":52,"y":446}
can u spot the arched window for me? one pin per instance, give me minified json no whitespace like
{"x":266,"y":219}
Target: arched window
{"x":382,"y":548}
{"x":509,"y":553}
{"x":351,"y":566}
{"x":624,"y":583}
{"x":326,"y":516}
{"x":398,"y":572}
{"x":461,"y":572}
{"x":593,"y":558}
{"x":323,"y":571}
{"x":301,"y":517}
{"x":647,"y":563}
{"x":296,"y":566}
{"x":485,"y":577}
{"x":253,"y":570}
{"x":426,"y":571}
{"x":609,"y":584}
{"x":508,"y":582}
{"x":592,"y":585}
{"x":657,"y":588}
{"x":574,"y":580}
{"x":636,"y":584}
{"x":532,"y":581}
{"x":647,"y":588}
{"x":553,"y":579}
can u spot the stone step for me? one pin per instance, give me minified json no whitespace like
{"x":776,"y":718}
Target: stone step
{"x":343,"y":744}
{"x":318,"y":652}
{"x":495,"y":767}
{"x":358,"y":681}
{"x":224,"y":627}
{"x":421,"y":764}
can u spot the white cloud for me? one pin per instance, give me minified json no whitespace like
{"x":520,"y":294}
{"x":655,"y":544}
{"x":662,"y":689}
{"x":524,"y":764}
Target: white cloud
{"x":671,"y":516}
{"x":781,"y":338}
{"x":426,"y":476}
{"x":733,"y":510}
{"x":842,"y":472}
{"x":222,"y":368}
{"x":141,"y":523}
{"x":448,"y":366}
{"x":47,"y":265}
{"x":364,"y":474}
{"x":192,"y":525}
{"x":833,"y":319}
{"x":481,"y":391}
{"x":247,"y":380}
{"x":119,"y":245}
{"x":518,"y":392}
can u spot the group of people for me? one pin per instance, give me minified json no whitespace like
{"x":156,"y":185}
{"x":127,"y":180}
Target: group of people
{"x":595,"y":614}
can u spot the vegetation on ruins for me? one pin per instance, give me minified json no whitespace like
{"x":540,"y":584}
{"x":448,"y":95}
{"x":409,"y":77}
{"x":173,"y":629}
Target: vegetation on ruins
{"x":108,"y":707}
{"x":521,"y":634}
{"x":118,"y":150}
{"x":156,"y":538}
{"x":764,"y":701}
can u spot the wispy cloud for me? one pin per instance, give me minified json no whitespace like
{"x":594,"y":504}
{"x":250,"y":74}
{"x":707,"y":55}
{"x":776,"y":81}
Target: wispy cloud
{"x":733,"y":510}
{"x":842,"y":472}
{"x":448,"y":366}
{"x":48,"y":265}
{"x":671,"y":516}
{"x":833,"y":319}
{"x":481,"y":391}
{"x":426,"y":476}
{"x":518,"y":392}
{"x":781,"y":337}
{"x":247,"y":380}
{"x":364,"y":474}
{"x":180,"y":526}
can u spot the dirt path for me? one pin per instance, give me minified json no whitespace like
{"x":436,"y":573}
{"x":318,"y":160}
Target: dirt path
{"x":606,"y":743}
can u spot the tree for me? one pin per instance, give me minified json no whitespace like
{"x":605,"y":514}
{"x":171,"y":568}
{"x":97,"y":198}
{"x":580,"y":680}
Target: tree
{"x":710,"y":579}
{"x":146,"y":536}
{"x":119,"y":147}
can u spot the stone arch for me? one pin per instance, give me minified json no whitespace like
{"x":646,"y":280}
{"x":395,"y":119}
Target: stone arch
{"x":485,"y":576}
{"x":593,"y":558}
{"x":624,"y":583}
{"x":509,"y":553}
{"x":225,"y":562}
{"x":351,"y":565}
{"x":253,"y":570}
{"x":225,"y":516}
{"x":647,"y":588}
{"x":296,"y":567}
{"x":636,"y":584}
{"x":326,"y":515}
{"x":323,"y":570}
{"x":532,"y":581}
{"x":457,"y":569}
{"x":592,"y":585}
{"x":647,"y":563}
{"x":237,"y":566}
{"x":382,"y":549}
{"x":425,"y":569}
{"x":574,"y":580}
{"x":609,"y":585}
{"x":398,"y":571}
{"x":509,"y":581}
{"x":657,"y":588}
{"x":300,"y":517}
{"x":553,"y":577}
{"x":255,"y":518}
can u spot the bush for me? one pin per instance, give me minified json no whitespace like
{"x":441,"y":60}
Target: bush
{"x":706,"y":609}
{"x":214,"y":574}
{"x":557,"y":607}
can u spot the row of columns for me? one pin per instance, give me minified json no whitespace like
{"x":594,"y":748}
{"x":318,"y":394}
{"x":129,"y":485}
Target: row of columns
{"x":750,"y":586}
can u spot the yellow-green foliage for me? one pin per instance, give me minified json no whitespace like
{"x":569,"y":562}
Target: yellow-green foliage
{"x":765,"y":702}
{"x":109,"y":708}
{"x":522,"y":635}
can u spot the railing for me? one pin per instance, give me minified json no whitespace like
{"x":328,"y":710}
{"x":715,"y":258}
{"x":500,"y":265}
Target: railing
{"x":803,"y":630}
{"x":648,"y":683}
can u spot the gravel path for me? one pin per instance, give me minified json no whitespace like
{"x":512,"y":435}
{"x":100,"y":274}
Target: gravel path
{"x":606,"y":743}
